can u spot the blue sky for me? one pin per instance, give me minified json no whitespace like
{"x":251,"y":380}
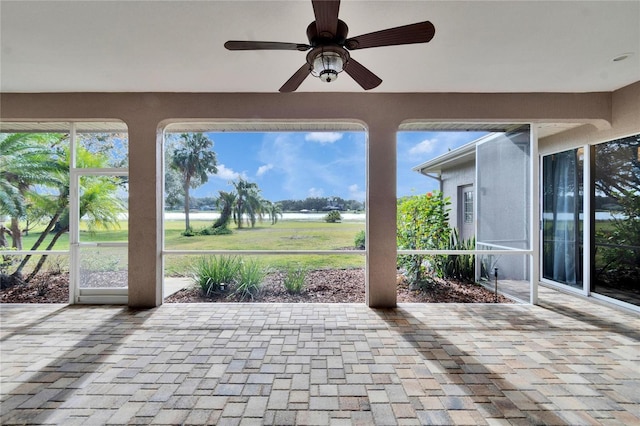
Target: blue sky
{"x":297,"y":165}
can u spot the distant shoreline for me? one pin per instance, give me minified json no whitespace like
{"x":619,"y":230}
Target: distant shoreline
{"x":311,"y":216}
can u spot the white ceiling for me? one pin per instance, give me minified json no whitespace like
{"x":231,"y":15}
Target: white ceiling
{"x":177,"y":46}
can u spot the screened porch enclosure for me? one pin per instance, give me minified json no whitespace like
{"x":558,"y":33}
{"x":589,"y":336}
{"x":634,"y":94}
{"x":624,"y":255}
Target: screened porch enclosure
{"x":504,"y":212}
{"x":488,"y":191}
{"x":74,"y":218}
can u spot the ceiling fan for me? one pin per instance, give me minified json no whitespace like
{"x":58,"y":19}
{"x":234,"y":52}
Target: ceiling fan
{"x":329,"y":46}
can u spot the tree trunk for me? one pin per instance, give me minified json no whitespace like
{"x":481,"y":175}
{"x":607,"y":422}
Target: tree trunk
{"x":187,"y":226}
{"x":39,"y":241}
{"x":16,"y":234}
{"x":240,"y":212}
{"x":43,"y":258}
{"x":3,"y":238}
{"x":224,"y":216}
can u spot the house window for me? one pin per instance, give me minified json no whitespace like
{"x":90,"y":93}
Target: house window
{"x":468,"y":207}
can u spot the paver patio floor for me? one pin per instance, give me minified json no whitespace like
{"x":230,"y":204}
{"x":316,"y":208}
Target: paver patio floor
{"x":568,"y":361}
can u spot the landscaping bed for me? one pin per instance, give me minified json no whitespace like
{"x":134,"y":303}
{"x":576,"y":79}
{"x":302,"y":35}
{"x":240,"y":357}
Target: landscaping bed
{"x":321,"y":286}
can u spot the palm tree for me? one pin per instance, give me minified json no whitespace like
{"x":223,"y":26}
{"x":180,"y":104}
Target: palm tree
{"x":225,"y":203}
{"x":247,"y":202}
{"x":194,"y":159}
{"x":273,"y":211}
{"x":99,"y":204}
{"x":26,"y":160}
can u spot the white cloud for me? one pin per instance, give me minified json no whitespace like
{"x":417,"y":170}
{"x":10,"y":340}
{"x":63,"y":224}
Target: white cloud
{"x":226,"y":173}
{"x":264,"y":169}
{"x":356,"y":193}
{"x":424,"y":147}
{"x":315,"y":192}
{"x":323,"y":137}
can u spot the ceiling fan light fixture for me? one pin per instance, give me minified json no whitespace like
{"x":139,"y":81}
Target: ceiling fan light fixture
{"x":327,"y":63}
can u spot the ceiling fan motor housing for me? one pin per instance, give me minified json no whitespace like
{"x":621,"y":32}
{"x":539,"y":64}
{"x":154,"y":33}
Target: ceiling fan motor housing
{"x":327,"y":38}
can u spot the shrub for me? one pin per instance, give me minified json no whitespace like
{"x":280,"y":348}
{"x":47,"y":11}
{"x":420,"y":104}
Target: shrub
{"x":294,"y":279}
{"x":210,"y":272}
{"x":461,"y":266}
{"x":333,"y":217}
{"x":250,"y":277}
{"x":360,"y":240}
{"x":618,"y":259}
{"x":7,"y":261}
{"x":211,"y":230}
{"x":422,"y":225}
{"x":188,"y":233}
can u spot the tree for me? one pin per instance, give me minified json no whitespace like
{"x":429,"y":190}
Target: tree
{"x":248,"y":202}
{"x":98,"y":204}
{"x":225,"y":204}
{"x":616,"y":169}
{"x":333,"y":217}
{"x":26,"y":160}
{"x":195,"y":160}
{"x":422,"y":225}
{"x":273,"y":210}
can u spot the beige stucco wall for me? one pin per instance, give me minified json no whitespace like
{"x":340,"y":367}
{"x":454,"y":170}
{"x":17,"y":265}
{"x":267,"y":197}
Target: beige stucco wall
{"x":381,"y":113}
{"x":625,"y":121}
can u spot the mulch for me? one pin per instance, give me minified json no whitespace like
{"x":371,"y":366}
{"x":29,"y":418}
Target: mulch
{"x":321,"y":286}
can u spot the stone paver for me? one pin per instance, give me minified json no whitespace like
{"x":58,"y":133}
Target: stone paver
{"x":567,"y":361}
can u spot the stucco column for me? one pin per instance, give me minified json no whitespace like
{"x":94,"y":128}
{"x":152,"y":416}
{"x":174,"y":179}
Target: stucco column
{"x":145,"y":214}
{"x":381,"y":215}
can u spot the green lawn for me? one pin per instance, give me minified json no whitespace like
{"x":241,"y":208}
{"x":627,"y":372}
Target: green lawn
{"x":285,"y":235}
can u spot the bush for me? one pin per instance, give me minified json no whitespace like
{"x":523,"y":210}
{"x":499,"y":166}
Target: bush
{"x":188,"y":233}
{"x":211,"y":230}
{"x":360,"y":240}
{"x":422,"y":225}
{"x":294,"y":279}
{"x":461,"y":266}
{"x":210,"y":273}
{"x":333,"y":217}
{"x":250,"y":277}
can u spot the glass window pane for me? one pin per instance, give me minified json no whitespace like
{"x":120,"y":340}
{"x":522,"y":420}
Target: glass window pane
{"x":616,"y":182}
{"x":468,"y":207}
{"x":562,"y":209}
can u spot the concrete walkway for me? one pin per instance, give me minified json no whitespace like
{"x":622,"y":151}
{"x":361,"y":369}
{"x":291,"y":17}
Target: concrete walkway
{"x":568,"y":361}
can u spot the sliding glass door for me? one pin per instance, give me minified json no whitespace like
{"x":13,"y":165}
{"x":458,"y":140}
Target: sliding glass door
{"x":562,"y":222}
{"x":592,"y":199}
{"x":616,"y":219}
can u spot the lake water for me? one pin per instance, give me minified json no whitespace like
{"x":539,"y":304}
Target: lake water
{"x":314,"y":217}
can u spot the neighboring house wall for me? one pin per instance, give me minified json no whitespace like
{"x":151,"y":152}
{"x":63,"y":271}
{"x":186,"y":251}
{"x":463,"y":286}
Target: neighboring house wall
{"x":452,"y":179}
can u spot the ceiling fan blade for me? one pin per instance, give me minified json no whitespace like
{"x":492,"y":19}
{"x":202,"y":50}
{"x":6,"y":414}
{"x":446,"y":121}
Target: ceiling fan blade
{"x":296,"y":79}
{"x":365,"y":78}
{"x":421,"y":32}
{"x":264,"y":45}
{"x":326,"y":12}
